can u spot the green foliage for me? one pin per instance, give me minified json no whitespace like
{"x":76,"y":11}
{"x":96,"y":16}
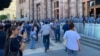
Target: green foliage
{"x":4,"y":4}
{"x":3,"y":17}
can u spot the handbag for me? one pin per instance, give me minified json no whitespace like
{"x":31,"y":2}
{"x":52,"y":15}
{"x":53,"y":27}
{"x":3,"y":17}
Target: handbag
{"x":10,"y":53}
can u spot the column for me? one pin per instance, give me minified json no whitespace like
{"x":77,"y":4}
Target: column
{"x":35,"y":11}
{"x":60,"y":9}
{"x":49,"y":9}
{"x":77,"y":9}
{"x":80,"y":8}
{"x":95,"y":12}
{"x":68,"y":2}
{"x":52,"y":9}
{"x":17,"y":9}
{"x":65,"y":8}
{"x":73,"y":7}
{"x":87,"y":8}
{"x":31,"y":9}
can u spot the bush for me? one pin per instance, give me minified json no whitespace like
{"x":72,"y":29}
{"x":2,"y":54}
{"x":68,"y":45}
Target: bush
{"x":3,"y":17}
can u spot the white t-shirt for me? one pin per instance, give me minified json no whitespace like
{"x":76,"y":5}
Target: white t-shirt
{"x":71,"y":38}
{"x":46,"y":29}
{"x":33,"y":33}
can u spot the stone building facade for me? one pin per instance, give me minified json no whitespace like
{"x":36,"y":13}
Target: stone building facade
{"x":24,"y":10}
{"x":91,"y":7}
{"x":51,"y":9}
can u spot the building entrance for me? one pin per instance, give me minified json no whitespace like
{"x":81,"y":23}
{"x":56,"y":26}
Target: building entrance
{"x":97,"y":12}
{"x":91,"y":12}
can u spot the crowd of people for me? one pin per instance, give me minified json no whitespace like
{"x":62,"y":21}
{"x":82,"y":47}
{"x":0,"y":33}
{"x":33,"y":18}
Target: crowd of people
{"x":14,"y":36}
{"x":85,"y":19}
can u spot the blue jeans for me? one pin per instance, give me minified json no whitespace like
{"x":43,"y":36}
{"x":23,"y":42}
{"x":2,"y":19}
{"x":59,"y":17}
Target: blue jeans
{"x":46,"y":41}
{"x":28,"y":37}
{"x":57,"y":35}
{"x":72,"y":52}
{"x":32,"y":42}
{"x":37,"y":35}
{"x":2,"y":53}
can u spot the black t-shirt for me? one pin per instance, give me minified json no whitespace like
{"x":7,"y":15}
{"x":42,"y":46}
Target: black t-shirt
{"x":19,"y":38}
{"x":14,"y":44}
{"x":2,"y":39}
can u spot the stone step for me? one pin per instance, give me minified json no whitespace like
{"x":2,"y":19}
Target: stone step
{"x":95,"y":43}
{"x":91,"y":41}
{"x":90,"y":45}
{"x":91,"y":38}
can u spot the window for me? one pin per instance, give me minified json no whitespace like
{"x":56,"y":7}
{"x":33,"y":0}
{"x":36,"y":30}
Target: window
{"x":38,"y":11}
{"x":83,"y":4}
{"x":91,"y":3}
{"x":22,"y":13}
{"x":57,"y":4}
{"x":97,"y":2}
{"x":57,"y":16}
{"x":57,"y":13}
{"x":56,"y":9}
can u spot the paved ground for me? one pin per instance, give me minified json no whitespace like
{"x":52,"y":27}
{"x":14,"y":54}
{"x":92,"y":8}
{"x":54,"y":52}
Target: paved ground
{"x":57,"y":49}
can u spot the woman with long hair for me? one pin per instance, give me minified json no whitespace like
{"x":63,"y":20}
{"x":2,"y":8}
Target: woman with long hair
{"x":33,"y":36}
{"x":38,"y":29}
{"x":15,"y":45}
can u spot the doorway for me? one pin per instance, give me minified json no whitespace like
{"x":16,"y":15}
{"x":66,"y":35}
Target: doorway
{"x":97,"y":11}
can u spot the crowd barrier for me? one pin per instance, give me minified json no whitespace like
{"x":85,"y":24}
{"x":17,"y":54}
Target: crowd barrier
{"x":88,"y":29}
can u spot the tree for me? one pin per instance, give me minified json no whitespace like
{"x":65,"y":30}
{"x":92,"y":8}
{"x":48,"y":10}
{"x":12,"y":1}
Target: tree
{"x":3,"y":17}
{"x":4,"y":4}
